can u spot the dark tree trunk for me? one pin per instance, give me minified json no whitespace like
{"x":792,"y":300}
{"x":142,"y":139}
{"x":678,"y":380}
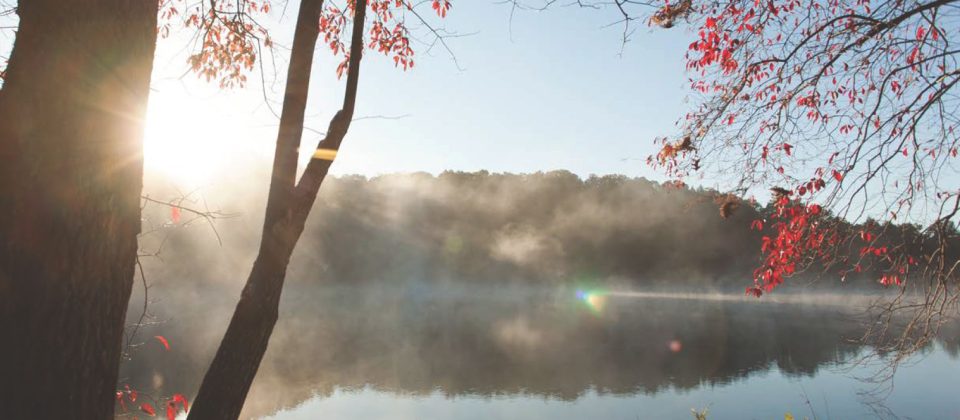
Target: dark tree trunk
{"x":231,"y":373}
{"x":71,"y":122}
{"x":227,"y":381}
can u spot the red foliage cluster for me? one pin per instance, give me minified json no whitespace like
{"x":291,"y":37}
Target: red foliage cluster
{"x":388,"y":31}
{"x":796,"y":229}
{"x":798,"y":92}
{"x":714,"y":47}
{"x":173,"y":404}
{"x":229,"y":36}
{"x":799,"y":234}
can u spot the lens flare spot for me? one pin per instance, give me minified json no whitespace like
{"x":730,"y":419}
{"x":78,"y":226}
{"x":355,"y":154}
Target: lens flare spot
{"x":325,"y":154}
{"x":595,"y":301}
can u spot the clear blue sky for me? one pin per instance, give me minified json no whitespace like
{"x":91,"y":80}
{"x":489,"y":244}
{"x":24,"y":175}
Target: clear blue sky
{"x":555,"y":92}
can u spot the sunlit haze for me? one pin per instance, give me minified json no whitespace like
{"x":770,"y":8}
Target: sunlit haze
{"x":553,"y":84}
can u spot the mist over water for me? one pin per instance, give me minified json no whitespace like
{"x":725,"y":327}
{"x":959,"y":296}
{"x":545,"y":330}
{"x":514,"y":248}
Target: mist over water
{"x":541,"y":287}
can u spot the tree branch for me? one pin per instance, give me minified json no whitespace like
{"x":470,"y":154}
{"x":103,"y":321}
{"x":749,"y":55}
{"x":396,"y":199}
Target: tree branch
{"x":292,"y":116}
{"x":313,"y":176}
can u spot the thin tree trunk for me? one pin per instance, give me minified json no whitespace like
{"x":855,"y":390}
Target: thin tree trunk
{"x":71,"y":123}
{"x":227,"y":381}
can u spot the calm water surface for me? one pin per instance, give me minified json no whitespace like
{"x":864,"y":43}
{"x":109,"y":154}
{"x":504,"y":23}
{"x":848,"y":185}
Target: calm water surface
{"x":416,"y":353}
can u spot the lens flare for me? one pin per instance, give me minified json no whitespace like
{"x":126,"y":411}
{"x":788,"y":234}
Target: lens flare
{"x":325,"y":154}
{"x":595,"y":300}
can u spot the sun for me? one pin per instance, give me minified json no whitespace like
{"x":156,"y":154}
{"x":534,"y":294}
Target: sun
{"x":181,"y":142}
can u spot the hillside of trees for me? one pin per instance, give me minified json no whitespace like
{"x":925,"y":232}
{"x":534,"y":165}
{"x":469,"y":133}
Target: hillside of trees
{"x":542,"y":229}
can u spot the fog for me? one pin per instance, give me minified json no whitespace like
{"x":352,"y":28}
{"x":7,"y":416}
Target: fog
{"x":532,"y":229}
{"x":467,"y":283}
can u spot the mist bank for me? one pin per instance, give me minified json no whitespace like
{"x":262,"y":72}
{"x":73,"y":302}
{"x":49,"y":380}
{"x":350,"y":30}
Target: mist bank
{"x":540,"y":229}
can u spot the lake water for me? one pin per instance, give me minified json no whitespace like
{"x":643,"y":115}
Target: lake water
{"x":446,"y":353}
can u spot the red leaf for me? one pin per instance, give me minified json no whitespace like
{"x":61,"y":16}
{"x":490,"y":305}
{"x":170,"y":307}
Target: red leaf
{"x":180,"y":399}
{"x":837,"y":175}
{"x":162,"y":340}
{"x":175,"y":214}
{"x":147,"y":408}
{"x":890,"y":279}
{"x":132,"y":393}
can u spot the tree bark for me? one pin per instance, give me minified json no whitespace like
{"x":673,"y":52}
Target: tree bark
{"x":71,"y":124}
{"x":227,"y":381}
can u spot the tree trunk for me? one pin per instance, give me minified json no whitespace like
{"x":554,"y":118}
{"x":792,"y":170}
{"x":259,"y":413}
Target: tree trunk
{"x":227,"y":381}
{"x":71,"y":123}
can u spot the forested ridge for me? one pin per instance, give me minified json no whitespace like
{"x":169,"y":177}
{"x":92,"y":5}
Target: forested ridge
{"x":540,"y":228}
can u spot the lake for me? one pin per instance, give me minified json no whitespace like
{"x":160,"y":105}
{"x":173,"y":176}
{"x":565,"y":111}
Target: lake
{"x":432,"y":352}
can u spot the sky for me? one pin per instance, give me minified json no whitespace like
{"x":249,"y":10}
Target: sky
{"x":529,"y":91}
{"x":548,"y":90}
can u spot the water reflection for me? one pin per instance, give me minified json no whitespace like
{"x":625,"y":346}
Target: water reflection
{"x":412,"y":340}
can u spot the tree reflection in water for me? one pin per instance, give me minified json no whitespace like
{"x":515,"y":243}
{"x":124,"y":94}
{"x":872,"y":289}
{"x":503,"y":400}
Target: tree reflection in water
{"x":414,"y":341}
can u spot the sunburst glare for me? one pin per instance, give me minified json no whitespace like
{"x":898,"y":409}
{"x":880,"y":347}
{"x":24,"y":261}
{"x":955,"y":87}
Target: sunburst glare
{"x":181,"y":143}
